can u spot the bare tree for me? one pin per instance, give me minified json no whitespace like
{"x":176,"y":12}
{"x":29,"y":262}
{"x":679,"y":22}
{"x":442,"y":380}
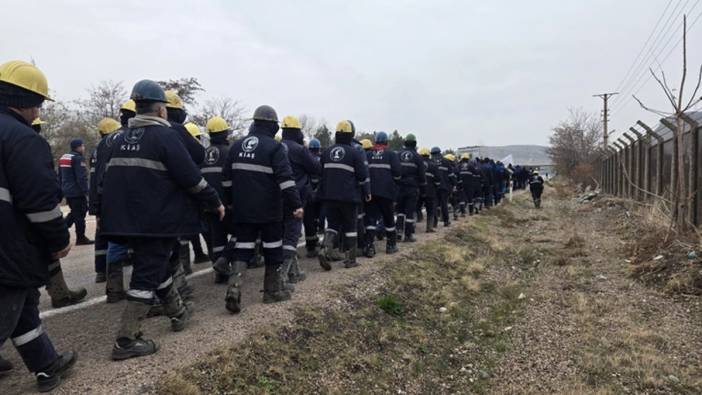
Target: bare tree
{"x":682,"y":196}
{"x":187,"y":88}
{"x":231,"y":110}
{"x":308,"y":125}
{"x":104,"y":100}
{"x":574,"y":144}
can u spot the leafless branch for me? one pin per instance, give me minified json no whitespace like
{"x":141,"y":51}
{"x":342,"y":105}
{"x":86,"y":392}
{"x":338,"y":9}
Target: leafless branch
{"x":684,"y":73}
{"x":694,"y":93}
{"x":659,"y":112}
{"x":664,"y":85}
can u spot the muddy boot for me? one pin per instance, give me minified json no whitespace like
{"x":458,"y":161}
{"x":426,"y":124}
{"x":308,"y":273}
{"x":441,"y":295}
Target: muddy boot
{"x":312,"y":252}
{"x":200,"y":258}
{"x":51,"y":377}
{"x":129,"y":342}
{"x":296,"y":274}
{"x":369,"y":250}
{"x":222,"y":270}
{"x":273,"y":290}
{"x":176,"y":309}
{"x":350,"y":260}
{"x":256,"y":261}
{"x":184,"y":257}
{"x":391,"y":245}
{"x":114,"y":289}
{"x":326,"y":254}
{"x":400,"y":226}
{"x":232,"y":299}
{"x":100,"y":277}
{"x":61,"y":295}
{"x":285,"y":273}
{"x":5,"y":366}
{"x":180,"y":282}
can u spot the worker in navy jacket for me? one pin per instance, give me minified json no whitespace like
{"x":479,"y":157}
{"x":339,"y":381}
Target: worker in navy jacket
{"x":73,"y":173}
{"x":262,"y":186}
{"x":344,"y":181}
{"x":33,"y":235}
{"x":304,"y":166}
{"x":412,"y":178}
{"x":151,"y":194}
{"x":385,"y":171}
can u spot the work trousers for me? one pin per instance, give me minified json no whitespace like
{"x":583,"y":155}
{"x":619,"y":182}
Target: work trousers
{"x":443,"y":197}
{"x":271,"y":236}
{"x":407,"y":208}
{"x":100,"y":252}
{"x":312,"y":224}
{"x":379,"y":209}
{"x":151,"y":269}
{"x":342,"y":219}
{"x":19,"y":322}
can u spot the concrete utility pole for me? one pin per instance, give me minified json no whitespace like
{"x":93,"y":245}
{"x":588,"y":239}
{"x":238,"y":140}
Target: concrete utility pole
{"x":605,"y":114}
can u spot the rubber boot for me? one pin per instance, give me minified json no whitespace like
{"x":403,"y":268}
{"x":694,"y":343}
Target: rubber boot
{"x":285,"y":273}
{"x":409,"y":233}
{"x":400,"y":226}
{"x":129,"y":342}
{"x":61,"y":295}
{"x":5,"y":366}
{"x":296,"y":274}
{"x":391,"y":245}
{"x":312,"y":251}
{"x":326,"y":254}
{"x":430,"y":226}
{"x":184,"y":258}
{"x":350,"y":260}
{"x":222,"y":270}
{"x":232,"y":299}
{"x":114,"y":289}
{"x":176,"y":309}
{"x":180,"y":282}
{"x":273,"y":290}
{"x":50,"y":377}
{"x":369,"y":250}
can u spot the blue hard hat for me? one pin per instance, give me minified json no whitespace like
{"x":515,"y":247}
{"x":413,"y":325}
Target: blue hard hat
{"x":436,"y":150}
{"x":147,"y":90}
{"x":314,"y":144}
{"x":75,"y":143}
{"x":381,"y":138}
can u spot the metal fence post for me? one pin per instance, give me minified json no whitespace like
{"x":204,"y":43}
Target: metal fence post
{"x":659,"y":162}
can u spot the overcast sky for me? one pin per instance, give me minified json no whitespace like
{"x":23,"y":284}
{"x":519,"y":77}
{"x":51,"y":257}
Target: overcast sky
{"x":453,"y":72}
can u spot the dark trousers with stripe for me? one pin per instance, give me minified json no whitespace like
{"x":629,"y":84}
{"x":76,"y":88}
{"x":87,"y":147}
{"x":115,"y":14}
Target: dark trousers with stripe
{"x":379,"y":210}
{"x":342,"y":219}
{"x":216,"y":236}
{"x":19,"y":321}
{"x":271,"y":235}
{"x":407,"y":207}
{"x":100,"y":253}
{"x":151,"y":268}
{"x":292,"y":230}
{"x":443,"y":198}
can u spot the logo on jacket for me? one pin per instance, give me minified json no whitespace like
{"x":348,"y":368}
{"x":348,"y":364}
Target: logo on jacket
{"x":337,"y":154}
{"x":249,"y":144}
{"x":133,"y":136}
{"x":406,"y":156}
{"x":212,"y":155}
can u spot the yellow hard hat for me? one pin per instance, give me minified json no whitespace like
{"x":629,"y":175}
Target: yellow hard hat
{"x":173,"y":99}
{"x":366,"y":144}
{"x":291,"y":122}
{"x":278,"y":137}
{"x":129,"y":105}
{"x":424,"y":151}
{"x":450,"y":157}
{"x":193,"y":129}
{"x":344,"y":127}
{"x":107,"y":126}
{"x":217,"y":124}
{"x":26,"y":76}
{"x":38,"y":121}
{"x":465,"y":155}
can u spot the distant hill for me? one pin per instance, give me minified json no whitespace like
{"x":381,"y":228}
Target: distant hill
{"x":528,"y":155}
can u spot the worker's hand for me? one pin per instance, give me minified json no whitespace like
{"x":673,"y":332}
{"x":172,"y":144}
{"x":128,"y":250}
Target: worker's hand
{"x":369,"y":197}
{"x":299,"y":213}
{"x":62,"y":253}
{"x":221,"y":212}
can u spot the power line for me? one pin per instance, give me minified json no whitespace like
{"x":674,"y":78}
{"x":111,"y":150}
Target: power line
{"x":651,"y":53}
{"x":641,"y":83}
{"x":636,"y":59}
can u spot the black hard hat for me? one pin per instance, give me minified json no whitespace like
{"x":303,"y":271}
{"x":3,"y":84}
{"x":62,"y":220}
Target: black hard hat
{"x":147,"y":90}
{"x":436,"y":150}
{"x":265,"y":113}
